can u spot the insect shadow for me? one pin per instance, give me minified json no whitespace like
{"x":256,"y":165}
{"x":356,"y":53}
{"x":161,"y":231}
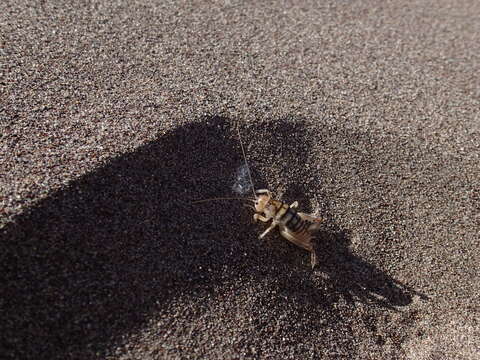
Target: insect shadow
{"x":354,"y":278}
{"x":347,"y":274}
{"x":90,"y":263}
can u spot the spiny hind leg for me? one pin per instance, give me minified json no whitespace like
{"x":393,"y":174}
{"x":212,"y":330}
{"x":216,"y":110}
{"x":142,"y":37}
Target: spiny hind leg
{"x":310,"y":217}
{"x":316,"y":222}
{"x":303,"y":241}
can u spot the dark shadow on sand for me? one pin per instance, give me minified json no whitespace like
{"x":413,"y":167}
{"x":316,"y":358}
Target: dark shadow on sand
{"x":353,"y":278}
{"x":91,"y":262}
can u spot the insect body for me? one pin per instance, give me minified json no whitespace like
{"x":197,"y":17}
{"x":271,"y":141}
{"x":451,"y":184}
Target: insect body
{"x":296,"y":227}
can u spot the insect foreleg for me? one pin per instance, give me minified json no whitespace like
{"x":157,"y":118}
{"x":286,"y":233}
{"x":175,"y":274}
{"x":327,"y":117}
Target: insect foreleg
{"x":263,"y":191}
{"x":270,"y":228}
{"x":260,"y":217}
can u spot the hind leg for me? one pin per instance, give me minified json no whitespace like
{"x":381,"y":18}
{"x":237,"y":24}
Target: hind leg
{"x":304,"y":241}
{"x":316,"y":222}
{"x":313,"y":254}
{"x":310,"y":217}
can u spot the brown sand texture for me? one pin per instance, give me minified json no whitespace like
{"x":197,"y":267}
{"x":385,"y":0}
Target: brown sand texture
{"x":116,"y":115}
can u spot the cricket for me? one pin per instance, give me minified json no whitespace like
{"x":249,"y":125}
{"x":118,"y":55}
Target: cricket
{"x":297,"y":227}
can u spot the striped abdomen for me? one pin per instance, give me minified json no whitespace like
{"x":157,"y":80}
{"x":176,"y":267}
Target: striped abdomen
{"x":290,"y":218}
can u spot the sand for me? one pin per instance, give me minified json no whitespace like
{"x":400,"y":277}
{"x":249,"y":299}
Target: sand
{"x":116,"y":115}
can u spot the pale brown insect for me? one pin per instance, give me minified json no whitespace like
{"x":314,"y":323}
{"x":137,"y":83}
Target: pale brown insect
{"x":296,"y":227}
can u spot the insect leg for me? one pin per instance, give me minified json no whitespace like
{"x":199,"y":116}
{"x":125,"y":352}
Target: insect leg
{"x":294,"y":205}
{"x":313,"y":254}
{"x":302,"y":240}
{"x":310,"y":217}
{"x":315,"y":222}
{"x":265,"y":191}
{"x":260,"y":217}
{"x":262,"y":191}
{"x":270,"y":228}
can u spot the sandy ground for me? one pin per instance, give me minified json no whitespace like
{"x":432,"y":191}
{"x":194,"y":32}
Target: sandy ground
{"x":115,"y":115}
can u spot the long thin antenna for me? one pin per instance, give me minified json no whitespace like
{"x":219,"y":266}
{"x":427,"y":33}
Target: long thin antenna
{"x":220,"y":198}
{"x":246,"y":163}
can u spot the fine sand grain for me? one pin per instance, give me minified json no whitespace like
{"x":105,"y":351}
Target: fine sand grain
{"x":115,"y":115}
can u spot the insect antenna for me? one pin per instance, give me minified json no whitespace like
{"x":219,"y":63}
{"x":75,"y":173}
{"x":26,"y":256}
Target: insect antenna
{"x":246,"y":162}
{"x":249,"y":176}
{"x":221,"y":198}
